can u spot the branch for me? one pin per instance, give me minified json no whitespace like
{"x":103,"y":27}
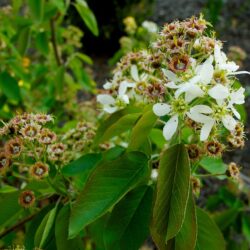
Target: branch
{"x":17,"y":225}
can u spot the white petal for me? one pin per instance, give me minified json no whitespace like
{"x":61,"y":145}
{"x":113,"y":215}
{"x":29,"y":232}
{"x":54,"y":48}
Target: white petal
{"x":206,"y":129}
{"x":108,"y":85}
{"x":124,"y":86}
{"x":198,"y":117}
{"x":183,"y":88}
{"x":134,"y":73}
{"x":201,"y":109}
{"x":161,"y":109}
{"x":206,"y":73}
{"x":219,"y":92}
{"x":235,"y":112}
{"x":217,"y":55}
{"x":192,"y":93}
{"x":170,"y":75}
{"x":238,"y":96}
{"x":105,"y":99}
{"x":170,"y":127}
{"x":229,"y":122}
{"x":229,"y":66}
{"x":110,"y":109}
{"x":124,"y":98}
{"x":172,"y":85}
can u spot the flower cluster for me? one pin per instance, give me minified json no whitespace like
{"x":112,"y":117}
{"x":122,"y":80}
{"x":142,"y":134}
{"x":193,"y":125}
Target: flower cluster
{"x":188,"y":79}
{"x":27,"y":136}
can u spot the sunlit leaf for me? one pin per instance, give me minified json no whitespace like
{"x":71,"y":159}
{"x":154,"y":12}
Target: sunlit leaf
{"x":87,"y":16}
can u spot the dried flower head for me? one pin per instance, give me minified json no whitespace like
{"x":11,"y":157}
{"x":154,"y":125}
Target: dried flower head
{"x":27,"y":199}
{"x":30,"y":131}
{"x":179,"y":63}
{"x":5,"y":161}
{"x":4,"y":130}
{"x":196,"y":185}
{"x":55,"y":151}
{"x":39,"y":170}
{"x":194,"y":152}
{"x":233,"y":171}
{"x":43,"y":118}
{"x":14,"y":147}
{"x":47,"y":137}
{"x":213,"y":148}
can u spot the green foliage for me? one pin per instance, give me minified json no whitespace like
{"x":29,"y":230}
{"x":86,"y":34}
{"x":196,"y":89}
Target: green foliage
{"x":172,"y":195}
{"x":107,"y":184}
{"x":127,"y":226}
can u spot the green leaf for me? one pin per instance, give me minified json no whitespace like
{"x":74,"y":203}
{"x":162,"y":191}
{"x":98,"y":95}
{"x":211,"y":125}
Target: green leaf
{"x":157,"y":137}
{"x":82,"y":164}
{"x":107,"y":184}
{"x":10,"y":87}
{"x":45,"y":228}
{"x":209,"y":236}
{"x":125,"y":123}
{"x":127,"y":226}
{"x":141,"y":130}
{"x":37,"y":9}
{"x":42,"y":42}
{"x":186,"y":238}
{"x":171,"y":195}
{"x":213,"y":165}
{"x":113,"y":118}
{"x":23,"y":39}
{"x":225,"y":218}
{"x":84,"y":58}
{"x":246,"y":226}
{"x":7,"y":189}
{"x":9,"y":207}
{"x":96,"y":231}
{"x":61,"y":232}
{"x":87,"y":16}
{"x":33,"y":226}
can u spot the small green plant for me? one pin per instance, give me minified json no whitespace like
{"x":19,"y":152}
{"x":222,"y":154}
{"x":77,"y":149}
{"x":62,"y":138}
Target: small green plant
{"x":42,"y":65}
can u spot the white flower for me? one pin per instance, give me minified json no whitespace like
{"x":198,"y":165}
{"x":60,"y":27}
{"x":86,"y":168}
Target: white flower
{"x":170,"y":127}
{"x":222,"y":62}
{"x":200,"y":114}
{"x":135,"y":75}
{"x":150,"y":26}
{"x":192,"y":88}
{"x":110,"y":103}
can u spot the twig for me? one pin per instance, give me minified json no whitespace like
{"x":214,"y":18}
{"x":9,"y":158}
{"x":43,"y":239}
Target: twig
{"x":53,"y":40}
{"x":17,"y":225}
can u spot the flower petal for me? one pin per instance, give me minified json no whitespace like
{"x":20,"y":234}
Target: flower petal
{"x":219,"y":92}
{"x":229,"y":122}
{"x":161,"y":109}
{"x":170,"y":127}
{"x":124,"y":86}
{"x":108,"y":85}
{"x":105,"y":99}
{"x":240,"y":72}
{"x":238,"y":96}
{"x":109,"y":109}
{"x":172,"y":85}
{"x":193,"y":92}
{"x":198,"y":117}
{"x":206,"y":129}
{"x":170,"y":75}
{"x":134,"y":73}
{"x":206,"y":73}
{"x":201,"y":109}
